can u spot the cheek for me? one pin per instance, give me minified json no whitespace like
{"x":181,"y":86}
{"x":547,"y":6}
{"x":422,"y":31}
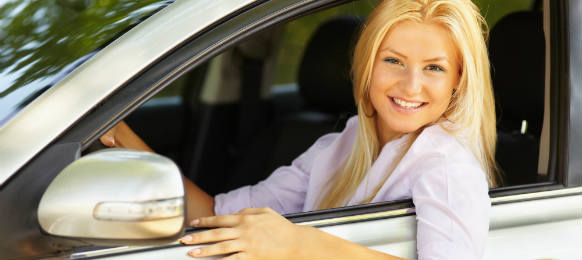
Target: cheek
{"x":375,"y":84}
{"x":440,"y":93}
{"x":380,"y":84}
{"x":380,"y":81}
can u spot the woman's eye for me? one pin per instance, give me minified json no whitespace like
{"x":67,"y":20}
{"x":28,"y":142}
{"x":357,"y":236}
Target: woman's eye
{"x":393,"y":61}
{"x":434,"y":67}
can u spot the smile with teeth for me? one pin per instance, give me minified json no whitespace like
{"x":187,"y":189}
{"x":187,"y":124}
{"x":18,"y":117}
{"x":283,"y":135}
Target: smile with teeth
{"x":406,"y":104}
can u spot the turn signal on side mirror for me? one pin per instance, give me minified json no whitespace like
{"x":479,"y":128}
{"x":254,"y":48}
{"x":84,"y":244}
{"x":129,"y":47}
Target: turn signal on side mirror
{"x":139,"y":210}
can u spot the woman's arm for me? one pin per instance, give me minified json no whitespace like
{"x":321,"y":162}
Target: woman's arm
{"x":261,"y":233}
{"x":199,"y":203}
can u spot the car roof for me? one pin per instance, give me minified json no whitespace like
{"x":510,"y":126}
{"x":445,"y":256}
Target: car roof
{"x":49,"y":115}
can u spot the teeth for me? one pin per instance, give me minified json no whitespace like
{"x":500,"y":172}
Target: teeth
{"x":405,"y":104}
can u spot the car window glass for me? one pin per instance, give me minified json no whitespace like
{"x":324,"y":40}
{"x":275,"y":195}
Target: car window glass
{"x":42,"y":41}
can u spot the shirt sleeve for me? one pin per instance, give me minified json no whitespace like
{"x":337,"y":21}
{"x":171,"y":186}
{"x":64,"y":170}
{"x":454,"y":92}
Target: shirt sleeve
{"x":284,"y":190}
{"x":452,"y":209}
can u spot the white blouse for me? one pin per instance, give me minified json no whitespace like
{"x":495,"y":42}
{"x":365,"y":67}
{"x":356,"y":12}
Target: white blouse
{"x":441,"y":175}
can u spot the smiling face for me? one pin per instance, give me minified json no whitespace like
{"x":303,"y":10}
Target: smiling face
{"x":415,"y":71}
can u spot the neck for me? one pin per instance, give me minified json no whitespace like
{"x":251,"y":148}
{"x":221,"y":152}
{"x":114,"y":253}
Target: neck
{"x":385,"y":135}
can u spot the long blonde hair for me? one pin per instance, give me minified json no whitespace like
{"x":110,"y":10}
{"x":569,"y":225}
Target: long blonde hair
{"x":471,"y":107}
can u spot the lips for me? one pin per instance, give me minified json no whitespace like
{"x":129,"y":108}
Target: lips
{"x":407,"y":105}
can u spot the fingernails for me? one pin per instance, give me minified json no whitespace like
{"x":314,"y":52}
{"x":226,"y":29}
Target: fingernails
{"x":186,"y":239}
{"x":110,"y":141}
{"x":195,"y":222}
{"x":195,"y":251}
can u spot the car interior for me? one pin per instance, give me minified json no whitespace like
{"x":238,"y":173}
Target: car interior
{"x":230,"y":122}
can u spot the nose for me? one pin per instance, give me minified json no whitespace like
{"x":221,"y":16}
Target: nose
{"x":411,"y":83}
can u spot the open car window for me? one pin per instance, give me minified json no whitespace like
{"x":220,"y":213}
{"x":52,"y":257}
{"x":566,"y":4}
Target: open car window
{"x":258,"y":105}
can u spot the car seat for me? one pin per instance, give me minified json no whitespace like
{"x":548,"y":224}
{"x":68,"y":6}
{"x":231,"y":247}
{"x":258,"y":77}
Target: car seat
{"x":517,"y":55}
{"x":324,"y":103}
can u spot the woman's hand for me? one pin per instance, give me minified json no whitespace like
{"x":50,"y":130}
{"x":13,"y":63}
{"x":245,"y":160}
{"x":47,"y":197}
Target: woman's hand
{"x":261,"y":233}
{"x":256,"y":233}
{"x":121,"y":135}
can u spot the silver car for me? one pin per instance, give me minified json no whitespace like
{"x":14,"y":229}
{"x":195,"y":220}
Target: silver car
{"x":225,"y":91}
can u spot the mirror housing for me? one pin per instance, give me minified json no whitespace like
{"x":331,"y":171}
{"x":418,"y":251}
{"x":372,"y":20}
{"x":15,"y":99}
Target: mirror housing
{"x":115,"y":196}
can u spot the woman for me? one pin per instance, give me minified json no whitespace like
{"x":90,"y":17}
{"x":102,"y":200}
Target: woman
{"x":425,"y":130}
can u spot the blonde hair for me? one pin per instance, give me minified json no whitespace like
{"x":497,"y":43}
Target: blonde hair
{"x":471,"y":107}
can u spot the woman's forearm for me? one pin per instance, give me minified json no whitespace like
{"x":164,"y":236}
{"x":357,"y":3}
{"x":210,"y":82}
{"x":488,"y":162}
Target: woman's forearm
{"x":199,"y":203}
{"x":326,"y":246}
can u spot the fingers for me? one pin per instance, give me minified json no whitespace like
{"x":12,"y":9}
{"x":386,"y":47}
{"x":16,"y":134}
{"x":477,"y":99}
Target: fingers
{"x":213,"y":235}
{"x":220,"y":221}
{"x":222,"y":248}
{"x":108,"y":139}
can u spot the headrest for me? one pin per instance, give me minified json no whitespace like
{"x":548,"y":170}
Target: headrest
{"x":324,"y":73}
{"x":517,"y":54}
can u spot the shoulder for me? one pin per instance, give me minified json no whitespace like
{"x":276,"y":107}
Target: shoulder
{"x":450,"y":193}
{"x":444,"y":143}
{"x":442,"y":153}
{"x":442,"y":138}
{"x":332,"y":144}
{"x":347,"y":135}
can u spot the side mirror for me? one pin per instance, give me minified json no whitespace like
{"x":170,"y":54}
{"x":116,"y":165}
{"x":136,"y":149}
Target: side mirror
{"x":115,"y":196}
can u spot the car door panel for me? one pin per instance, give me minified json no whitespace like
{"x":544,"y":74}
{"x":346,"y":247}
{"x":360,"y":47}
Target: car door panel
{"x":524,"y":226}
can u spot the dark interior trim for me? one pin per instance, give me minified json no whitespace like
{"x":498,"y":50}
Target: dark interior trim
{"x":351,"y":211}
{"x":558,"y":92}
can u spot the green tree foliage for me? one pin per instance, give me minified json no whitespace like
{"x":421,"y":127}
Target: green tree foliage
{"x":38,"y":38}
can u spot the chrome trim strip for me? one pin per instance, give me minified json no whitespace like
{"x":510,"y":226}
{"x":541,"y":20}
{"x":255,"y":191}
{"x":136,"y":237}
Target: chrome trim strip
{"x":103,"y":251}
{"x":361,"y":217}
{"x":535,"y":195}
{"x":393,"y":213}
{"x":58,"y":108}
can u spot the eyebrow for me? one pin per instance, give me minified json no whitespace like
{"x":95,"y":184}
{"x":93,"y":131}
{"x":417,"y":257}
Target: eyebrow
{"x":439,"y":58}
